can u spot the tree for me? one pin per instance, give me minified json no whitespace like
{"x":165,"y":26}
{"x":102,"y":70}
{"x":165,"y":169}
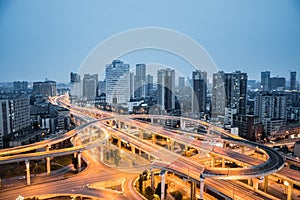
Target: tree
{"x":177,"y":195}
{"x":158,"y":189}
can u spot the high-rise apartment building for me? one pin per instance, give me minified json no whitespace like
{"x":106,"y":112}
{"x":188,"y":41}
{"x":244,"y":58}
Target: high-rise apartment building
{"x":117,"y":82}
{"x":293,"y":80}
{"x":47,"y":88}
{"x":89,"y":86}
{"x":229,"y":91}
{"x":199,"y":91}
{"x":166,"y":89}
{"x":277,"y":83}
{"x":265,"y":81}
{"x":14,"y":116}
{"x":140,"y":80}
{"x":270,"y":106}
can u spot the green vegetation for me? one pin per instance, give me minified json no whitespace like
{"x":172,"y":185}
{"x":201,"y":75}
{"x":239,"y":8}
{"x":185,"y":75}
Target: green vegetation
{"x":177,"y":195}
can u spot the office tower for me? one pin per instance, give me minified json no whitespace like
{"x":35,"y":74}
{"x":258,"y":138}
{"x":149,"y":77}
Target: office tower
{"x":166,"y":89}
{"x":21,"y":86}
{"x":149,"y":85}
{"x":14,"y":116}
{"x":293,"y":81}
{"x":47,"y":88}
{"x":89,"y":86}
{"x":229,"y":91}
{"x":277,"y":84}
{"x":271,"y":106}
{"x":181,"y":83}
{"x":199,"y":91}
{"x":265,"y":81}
{"x":117,"y":82}
{"x":131,"y":88}
{"x":140,"y":80}
{"x":75,"y":86}
{"x":102,"y":87}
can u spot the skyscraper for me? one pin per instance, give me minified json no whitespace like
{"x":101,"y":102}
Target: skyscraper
{"x":89,"y":86}
{"x":293,"y":81}
{"x":117,"y":82}
{"x":149,"y":85}
{"x":140,"y":80}
{"x":181,"y":83}
{"x":265,"y":81}
{"x":75,"y":86}
{"x":199,"y":91}
{"x":131,"y":88}
{"x":229,"y":91}
{"x":166,"y":89}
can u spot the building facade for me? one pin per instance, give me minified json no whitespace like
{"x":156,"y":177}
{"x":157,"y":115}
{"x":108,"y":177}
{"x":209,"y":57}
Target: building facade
{"x":117,"y":82}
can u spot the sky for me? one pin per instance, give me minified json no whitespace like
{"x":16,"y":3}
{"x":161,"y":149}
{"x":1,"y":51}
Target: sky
{"x":50,"y":39}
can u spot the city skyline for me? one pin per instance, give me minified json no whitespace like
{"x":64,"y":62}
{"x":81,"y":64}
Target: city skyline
{"x":46,"y":43}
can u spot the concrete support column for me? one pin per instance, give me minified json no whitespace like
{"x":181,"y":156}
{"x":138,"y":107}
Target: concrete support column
{"x":172,"y":145}
{"x":119,"y":143}
{"x":151,"y":120}
{"x":255,"y":183}
{"x":182,"y":124}
{"x":163,"y":182}
{"x":153,"y":138}
{"x":223,"y":162}
{"x":101,"y":154}
{"x":208,"y":130}
{"x":141,"y":135}
{"x":149,"y":157}
{"x":119,"y":124}
{"x":48,"y":165}
{"x":290,"y":191}
{"x":193,"y":190}
{"x":213,"y":161}
{"x":132,"y":149}
{"x":152,"y":178}
{"x":266,"y":182}
{"x":249,"y":181}
{"x":201,"y":186}
{"x":140,"y":152}
{"x":79,"y":160}
{"x":27,"y":163}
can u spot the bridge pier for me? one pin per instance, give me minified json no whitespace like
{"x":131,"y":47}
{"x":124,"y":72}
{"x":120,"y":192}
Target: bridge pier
{"x":193,"y":190}
{"x":213,"y":161}
{"x":27,"y":163}
{"x":152,"y":178}
{"x":266,"y":182}
{"x":153,"y":138}
{"x":201,"y":186}
{"x":182,"y":124}
{"x":132,"y":149}
{"x":172,"y":145}
{"x":48,"y":161}
{"x":79,"y":160}
{"x":101,"y":154}
{"x":255,"y":184}
{"x":119,"y":143}
{"x":290,"y":191}
{"x":223,"y":162}
{"x":163,"y":183}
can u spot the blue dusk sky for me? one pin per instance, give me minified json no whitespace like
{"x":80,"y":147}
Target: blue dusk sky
{"x":49,"y":39}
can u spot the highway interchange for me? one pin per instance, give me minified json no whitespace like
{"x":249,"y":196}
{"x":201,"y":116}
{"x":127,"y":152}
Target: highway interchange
{"x":163,"y":158}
